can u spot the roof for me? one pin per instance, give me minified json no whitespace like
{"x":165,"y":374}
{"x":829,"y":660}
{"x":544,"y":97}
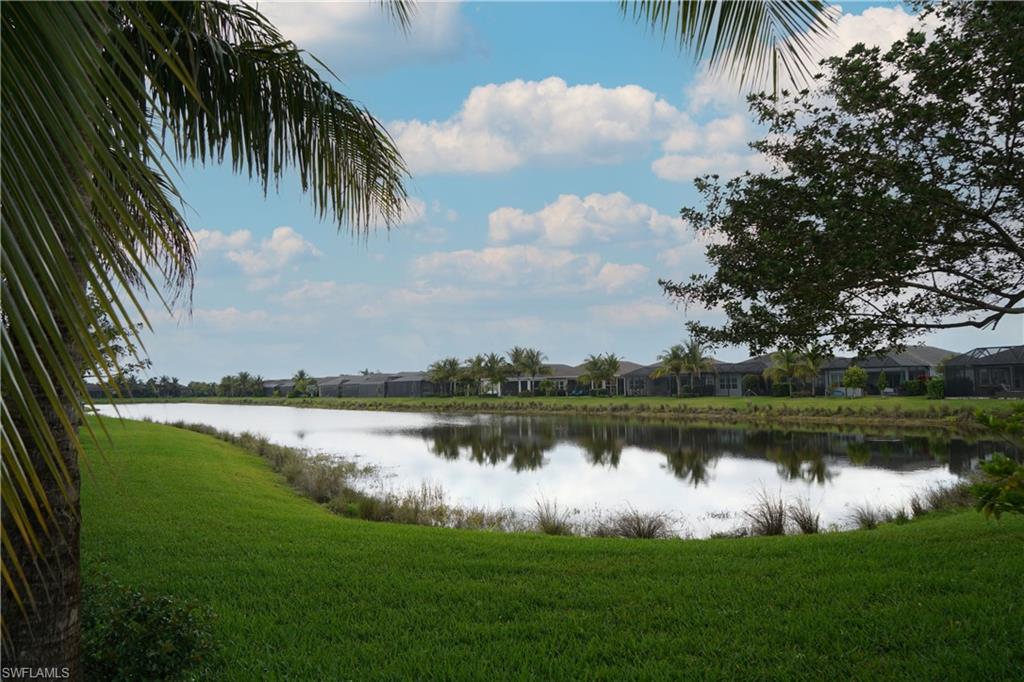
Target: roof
{"x":370,"y":378}
{"x":627,"y":367}
{"x":410,"y":376}
{"x":992,"y":355}
{"x":335,"y":381}
{"x":558,"y":371}
{"x":914,"y":356}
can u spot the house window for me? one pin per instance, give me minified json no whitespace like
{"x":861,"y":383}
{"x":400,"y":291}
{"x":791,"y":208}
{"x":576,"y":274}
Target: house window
{"x":727,"y":382}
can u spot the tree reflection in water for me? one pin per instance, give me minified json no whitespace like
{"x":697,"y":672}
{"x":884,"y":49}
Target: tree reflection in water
{"x":691,"y":452}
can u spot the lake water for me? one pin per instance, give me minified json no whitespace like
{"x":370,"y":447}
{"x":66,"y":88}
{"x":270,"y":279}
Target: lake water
{"x":702,"y":475}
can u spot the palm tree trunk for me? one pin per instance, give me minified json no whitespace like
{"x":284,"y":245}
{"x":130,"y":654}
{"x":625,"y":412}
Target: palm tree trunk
{"x":679,"y":386}
{"x":47,"y":636}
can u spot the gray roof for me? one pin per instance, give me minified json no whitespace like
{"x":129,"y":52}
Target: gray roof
{"x":998,"y":355}
{"x":627,"y":367}
{"x":335,"y":381}
{"x":410,"y":376}
{"x":370,"y":378}
{"x":558,"y":371}
{"x":914,"y":356}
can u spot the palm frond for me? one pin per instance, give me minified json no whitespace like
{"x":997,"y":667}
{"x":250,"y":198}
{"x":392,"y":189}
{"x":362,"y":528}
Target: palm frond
{"x":751,"y":41}
{"x":99,"y":100}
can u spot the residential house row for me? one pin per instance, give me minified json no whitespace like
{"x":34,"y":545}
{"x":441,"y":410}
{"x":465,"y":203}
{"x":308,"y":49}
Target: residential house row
{"x":980,"y":372}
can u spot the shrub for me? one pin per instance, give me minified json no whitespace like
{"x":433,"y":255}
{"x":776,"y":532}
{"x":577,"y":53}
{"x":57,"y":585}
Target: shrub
{"x":128,"y":634}
{"x":883,"y":382}
{"x":550,"y":520}
{"x":914,"y":387}
{"x":936,"y":388}
{"x":855,"y":377}
{"x":781,"y":389}
{"x":1002,"y":488}
{"x":768,"y":515}
{"x":751,"y":384}
{"x":800,"y":514}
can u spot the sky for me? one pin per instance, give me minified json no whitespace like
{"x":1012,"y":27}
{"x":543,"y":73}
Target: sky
{"x":551,"y":146}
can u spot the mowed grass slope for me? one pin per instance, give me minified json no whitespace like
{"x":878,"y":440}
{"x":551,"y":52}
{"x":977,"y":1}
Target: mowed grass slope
{"x":303,"y":594}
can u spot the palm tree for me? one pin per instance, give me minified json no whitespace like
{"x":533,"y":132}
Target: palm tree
{"x":600,"y":369}
{"x":243,"y":381}
{"x":534,"y":364}
{"x":812,"y":360}
{"x":593,"y":368}
{"x":529,"y":362}
{"x":695,"y":362}
{"x":672,"y":364}
{"x":305,"y":385}
{"x":474,"y":372}
{"x":109,"y":96}
{"x":752,"y":41}
{"x":445,"y":372}
{"x":785,"y":367}
{"x":496,"y":369}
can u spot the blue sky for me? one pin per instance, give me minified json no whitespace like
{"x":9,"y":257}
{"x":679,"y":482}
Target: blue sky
{"x":551,"y":146}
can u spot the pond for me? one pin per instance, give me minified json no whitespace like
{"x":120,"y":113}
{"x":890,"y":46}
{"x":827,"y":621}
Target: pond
{"x":704,"y":475}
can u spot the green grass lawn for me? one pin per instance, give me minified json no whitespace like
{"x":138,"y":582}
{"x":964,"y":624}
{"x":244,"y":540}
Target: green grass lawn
{"x":910,"y":409}
{"x":303,"y":594}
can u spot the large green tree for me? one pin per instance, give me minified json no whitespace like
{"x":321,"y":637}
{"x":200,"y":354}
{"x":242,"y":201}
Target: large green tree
{"x":101,"y":101}
{"x":896,"y":205}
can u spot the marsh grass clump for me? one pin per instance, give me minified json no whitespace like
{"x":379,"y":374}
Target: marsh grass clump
{"x":550,"y":519}
{"x":635,"y":524}
{"x":768,"y":515}
{"x":866,"y":517}
{"x":424,"y":505}
{"x":948,"y":496}
{"x":807,"y":520}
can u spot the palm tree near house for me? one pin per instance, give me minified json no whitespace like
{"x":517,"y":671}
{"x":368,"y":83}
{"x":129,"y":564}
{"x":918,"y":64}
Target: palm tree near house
{"x":497,"y":369}
{"x":531,"y":364}
{"x":672,"y":364}
{"x":109,"y":96}
{"x":472,"y":373}
{"x":812,"y":360}
{"x":305,"y":385}
{"x":600,"y":369}
{"x":696,"y":361}
{"x":786,"y":365}
{"x":445,"y":372}
{"x":516,"y":358}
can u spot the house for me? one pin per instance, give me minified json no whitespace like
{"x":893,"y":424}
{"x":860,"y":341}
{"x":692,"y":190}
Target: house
{"x":728,"y":376}
{"x":899,"y":368}
{"x":278,"y":387}
{"x":410,"y":385}
{"x":366,"y":386}
{"x":993,"y":371}
{"x":330,"y":387}
{"x":565,"y":378}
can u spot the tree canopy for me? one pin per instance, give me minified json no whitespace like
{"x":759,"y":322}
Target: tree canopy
{"x":894,"y":206}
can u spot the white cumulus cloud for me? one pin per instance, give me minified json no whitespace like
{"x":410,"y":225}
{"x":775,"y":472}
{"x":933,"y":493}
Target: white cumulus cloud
{"x":571,"y":219}
{"x":283,"y":247}
{"x":502,"y":126}
{"x":356,"y":37}
{"x":215,"y":240}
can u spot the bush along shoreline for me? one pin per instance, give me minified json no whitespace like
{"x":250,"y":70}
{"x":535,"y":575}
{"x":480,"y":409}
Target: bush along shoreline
{"x":360,"y":491}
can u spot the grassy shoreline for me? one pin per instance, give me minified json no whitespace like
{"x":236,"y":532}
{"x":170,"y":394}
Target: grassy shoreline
{"x":869,"y":411}
{"x":304,"y":594}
